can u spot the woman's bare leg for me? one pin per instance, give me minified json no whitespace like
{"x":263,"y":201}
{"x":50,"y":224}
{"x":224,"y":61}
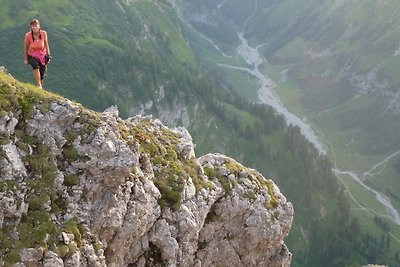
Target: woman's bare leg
{"x":36,"y":75}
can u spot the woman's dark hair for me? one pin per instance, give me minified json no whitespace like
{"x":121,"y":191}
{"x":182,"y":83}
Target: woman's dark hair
{"x":33,"y":22}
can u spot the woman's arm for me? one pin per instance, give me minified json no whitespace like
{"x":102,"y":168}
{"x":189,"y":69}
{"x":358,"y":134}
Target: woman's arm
{"x":26,"y":48}
{"x":46,"y":45}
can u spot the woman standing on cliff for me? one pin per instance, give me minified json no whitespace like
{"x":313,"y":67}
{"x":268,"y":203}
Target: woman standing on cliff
{"x":37,"y":51}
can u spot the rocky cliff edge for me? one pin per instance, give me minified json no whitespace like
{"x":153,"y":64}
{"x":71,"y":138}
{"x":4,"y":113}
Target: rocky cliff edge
{"x":80,"y":188}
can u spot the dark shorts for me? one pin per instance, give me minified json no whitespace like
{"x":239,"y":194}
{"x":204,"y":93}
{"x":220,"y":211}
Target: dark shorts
{"x":35,"y":63}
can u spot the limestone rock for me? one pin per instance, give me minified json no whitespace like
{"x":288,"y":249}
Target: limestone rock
{"x":31,"y":256}
{"x":7,"y":125}
{"x":51,"y":259}
{"x":113,"y":192}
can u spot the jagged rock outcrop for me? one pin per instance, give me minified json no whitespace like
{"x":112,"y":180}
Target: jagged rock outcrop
{"x":79,"y":188}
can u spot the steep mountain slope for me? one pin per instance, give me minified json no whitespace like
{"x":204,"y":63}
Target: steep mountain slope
{"x":334,"y":62}
{"x":108,"y":47}
{"x":331,"y":63}
{"x":79,"y":188}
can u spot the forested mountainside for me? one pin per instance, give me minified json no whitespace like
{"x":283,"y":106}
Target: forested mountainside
{"x":135,"y":54}
{"x":122,"y":52}
{"x":340,"y":54}
{"x":333,"y":64}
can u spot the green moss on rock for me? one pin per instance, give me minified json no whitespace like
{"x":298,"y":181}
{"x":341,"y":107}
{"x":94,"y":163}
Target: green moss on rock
{"x":273,"y":203}
{"x":36,"y":229}
{"x":71,"y":180}
{"x":91,"y":121}
{"x":3,"y":154}
{"x":8,"y":185}
{"x":62,"y":250}
{"x":233,"y":167}
{"x":226,"y":183}
{"x":170,"y":182}
{"x":4,"y":140}
{"x":70,"y":136}
{"x":70,"y":153}
{"x":72,"y":227}
{"x":171,"y":154}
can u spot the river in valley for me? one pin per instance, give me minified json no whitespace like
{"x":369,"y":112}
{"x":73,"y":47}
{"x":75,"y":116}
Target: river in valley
{"x":267,"y":95}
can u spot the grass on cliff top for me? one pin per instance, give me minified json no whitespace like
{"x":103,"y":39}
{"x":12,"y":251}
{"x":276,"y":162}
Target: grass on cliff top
{"x":15,"y":96}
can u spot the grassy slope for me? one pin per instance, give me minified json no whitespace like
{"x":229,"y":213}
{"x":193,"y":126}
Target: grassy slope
{"x":324,"y":84}
{"x":310,"y":45}
{"x":99,"y":44}
{"x":359,"y":129}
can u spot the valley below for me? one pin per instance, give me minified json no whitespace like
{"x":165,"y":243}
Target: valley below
{"x":368,"y":199}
